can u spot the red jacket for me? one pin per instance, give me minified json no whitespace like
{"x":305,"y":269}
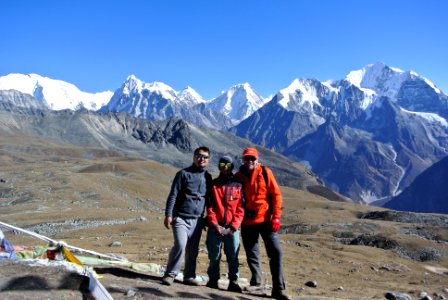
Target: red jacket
{"x":226,"y":205}
{"x":256,"y":195}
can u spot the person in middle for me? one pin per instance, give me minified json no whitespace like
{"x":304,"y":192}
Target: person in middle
{"x":224,"y":213}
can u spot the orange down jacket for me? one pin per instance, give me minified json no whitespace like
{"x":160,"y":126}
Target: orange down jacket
{"x":256,"y":195}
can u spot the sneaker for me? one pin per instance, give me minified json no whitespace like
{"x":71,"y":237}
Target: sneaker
{"x":234,"y":287}
{"x":212,"y":284}
{"x":254,"y":288}
{"x":191,"y":281}
{"x":281,"y":295}
{"x":254,"y":281}
{"x":167,"y":280}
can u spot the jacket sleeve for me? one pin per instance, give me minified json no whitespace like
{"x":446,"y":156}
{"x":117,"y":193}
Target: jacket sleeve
{"x":239,"y":213}
{"x":211,"y":214}
{"x":176,"y":187}
{"x":274,"y":191}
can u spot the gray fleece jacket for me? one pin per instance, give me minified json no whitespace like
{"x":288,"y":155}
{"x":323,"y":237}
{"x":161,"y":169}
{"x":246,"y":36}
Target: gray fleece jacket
{"x":189,"y":190}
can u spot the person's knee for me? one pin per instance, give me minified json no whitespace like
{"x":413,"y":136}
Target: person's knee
{"x":275,"y":254}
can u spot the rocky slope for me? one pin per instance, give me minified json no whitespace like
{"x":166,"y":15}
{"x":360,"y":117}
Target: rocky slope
{"x":428,"y":192}
{"x":170,"y":142}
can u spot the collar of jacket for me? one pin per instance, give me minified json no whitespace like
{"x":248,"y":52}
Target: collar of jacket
{"x":243,"y":170}
{"x":195,"y":168}
{"x":224,"y":177}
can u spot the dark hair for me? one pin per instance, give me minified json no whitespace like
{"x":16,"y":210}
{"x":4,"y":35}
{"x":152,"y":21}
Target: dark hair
{"x":203,"y":149}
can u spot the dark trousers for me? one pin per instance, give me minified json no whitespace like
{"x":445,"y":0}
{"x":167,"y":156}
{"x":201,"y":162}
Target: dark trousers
{"x":250,"y":234}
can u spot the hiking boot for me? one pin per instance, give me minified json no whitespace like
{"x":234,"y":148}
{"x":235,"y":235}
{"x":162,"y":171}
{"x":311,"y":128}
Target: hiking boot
{"x":280,"y":295}
{"x":167,"y":280}
{"x":191,"y":281}
{"x":234,"y":287}
{"x":212,"y":284}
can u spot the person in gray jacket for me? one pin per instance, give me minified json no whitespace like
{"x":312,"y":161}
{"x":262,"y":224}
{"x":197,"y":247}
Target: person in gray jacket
{"x":184,"y":211}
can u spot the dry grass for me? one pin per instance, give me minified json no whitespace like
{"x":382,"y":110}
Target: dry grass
{"x":46,"y":182}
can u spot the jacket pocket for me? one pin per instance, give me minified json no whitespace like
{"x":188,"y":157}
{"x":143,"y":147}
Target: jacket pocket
{"x":236,"y":195}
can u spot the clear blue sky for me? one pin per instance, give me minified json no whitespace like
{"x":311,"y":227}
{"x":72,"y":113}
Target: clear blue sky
{"x":211,"y":45}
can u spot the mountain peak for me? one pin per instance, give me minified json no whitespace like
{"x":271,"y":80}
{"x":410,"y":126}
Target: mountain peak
{"x":131,"y":77}
{"x":244,"y":86}
{"x":380,"y":78}
{"x":238,"y":102}
{"x":189,"y":96}
{"x":134,"y":85}
{"x":131,"y":82}
{"x":384,"y":80}
{"x":300,"y":93}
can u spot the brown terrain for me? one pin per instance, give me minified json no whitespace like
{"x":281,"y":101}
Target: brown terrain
{"x":90,"y":198}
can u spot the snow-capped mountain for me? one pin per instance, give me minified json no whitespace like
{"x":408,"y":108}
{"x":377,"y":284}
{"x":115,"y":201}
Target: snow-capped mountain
{"x":408,"y":89}
{"x":238,"y":102}
{"x":158,"y":101}
{"x":152,"y":101}
{"x":56,"y":94}
{"x":384,"y":80}
{"x":367,"y":136}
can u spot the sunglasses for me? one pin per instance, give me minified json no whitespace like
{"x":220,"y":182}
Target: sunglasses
{"x":223,"y":165}
{"x":199,"y":156}
{"x":249,"y":158}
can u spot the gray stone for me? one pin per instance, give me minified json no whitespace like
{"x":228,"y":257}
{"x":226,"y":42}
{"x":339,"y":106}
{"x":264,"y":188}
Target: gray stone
{"x":115,"y":244}
{"x":311,"y":283}
{"x":397,"y":296}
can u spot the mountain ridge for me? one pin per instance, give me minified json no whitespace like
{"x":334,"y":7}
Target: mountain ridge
{"x":166,"y":141}
{"x":305,"y":105}
{"x":399,"y":117}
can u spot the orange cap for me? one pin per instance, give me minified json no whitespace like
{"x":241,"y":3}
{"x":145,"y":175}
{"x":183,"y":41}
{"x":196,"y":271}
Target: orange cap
{"x":250,"y":152}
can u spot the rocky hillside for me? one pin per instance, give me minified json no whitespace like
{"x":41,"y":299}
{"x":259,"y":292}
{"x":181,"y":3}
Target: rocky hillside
{"x":170,"y":142}
{"x":428,"y":192}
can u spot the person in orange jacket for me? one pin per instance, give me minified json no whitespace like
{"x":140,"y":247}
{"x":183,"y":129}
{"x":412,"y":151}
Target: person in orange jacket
{"x":225,"y":214}
{"x":263,"y":210}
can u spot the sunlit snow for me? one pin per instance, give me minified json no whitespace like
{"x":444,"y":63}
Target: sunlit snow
{"x":133,"y":84}
{"x":430,"y":117}
{"x":305,"y":88}
{"x":56,"y":93}
{"x":238,"y":102}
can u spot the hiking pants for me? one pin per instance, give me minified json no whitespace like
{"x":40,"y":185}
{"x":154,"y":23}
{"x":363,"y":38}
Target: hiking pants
{"x":250,"y":234}
{"x":187,"y":235}
{"x":214,"y":244}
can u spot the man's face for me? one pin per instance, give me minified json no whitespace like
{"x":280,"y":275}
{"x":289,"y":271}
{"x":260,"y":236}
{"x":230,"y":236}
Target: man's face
{"x":250,"y":162}
{"x":225,"y":167}
{"x":200,"y":159}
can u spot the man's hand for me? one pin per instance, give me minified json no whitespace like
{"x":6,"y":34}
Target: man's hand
{"x":219,"y":230}
{"x":167,"y":222}
{"x":229,"y":231}
{"x":275,"y":225}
